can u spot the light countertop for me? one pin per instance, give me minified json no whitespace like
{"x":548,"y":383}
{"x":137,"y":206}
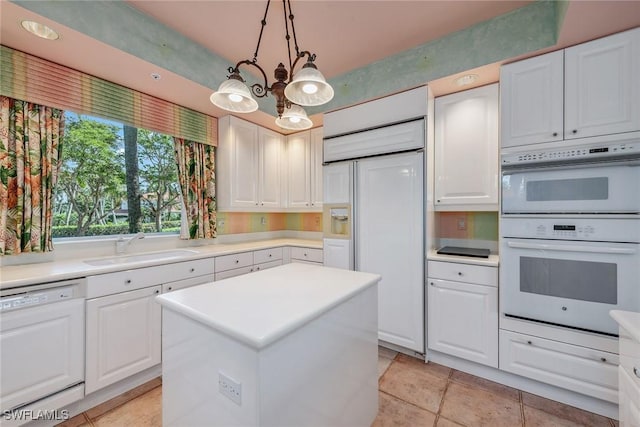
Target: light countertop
{"x":492,"y":261}
{"x":629,"y":320}
{"x":29,"y":274}
{"x":260,"y":308}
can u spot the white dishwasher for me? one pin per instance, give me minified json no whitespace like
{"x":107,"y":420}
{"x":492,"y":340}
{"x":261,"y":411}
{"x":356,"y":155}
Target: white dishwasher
{"x":41,"y":347}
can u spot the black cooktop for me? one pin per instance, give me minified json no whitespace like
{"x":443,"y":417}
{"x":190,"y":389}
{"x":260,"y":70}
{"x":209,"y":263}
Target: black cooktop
{"x":474,"y":252}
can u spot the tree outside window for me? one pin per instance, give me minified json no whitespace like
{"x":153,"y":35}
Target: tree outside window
{"x":115,"y":179}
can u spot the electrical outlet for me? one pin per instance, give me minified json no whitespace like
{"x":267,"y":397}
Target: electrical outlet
{"x":263,"y":220}
{"x":462,"y":224}
{"x":230,"y":388}
{"x":221,"y":223}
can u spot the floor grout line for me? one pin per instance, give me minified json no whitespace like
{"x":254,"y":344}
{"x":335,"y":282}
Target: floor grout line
{"x":521,"y":401}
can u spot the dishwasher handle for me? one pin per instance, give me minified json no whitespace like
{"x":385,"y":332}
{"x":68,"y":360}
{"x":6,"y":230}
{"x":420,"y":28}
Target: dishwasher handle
{"x":572,"y":248}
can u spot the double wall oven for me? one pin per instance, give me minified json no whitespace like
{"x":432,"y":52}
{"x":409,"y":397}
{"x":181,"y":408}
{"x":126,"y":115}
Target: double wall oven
{"x":570,"y":235}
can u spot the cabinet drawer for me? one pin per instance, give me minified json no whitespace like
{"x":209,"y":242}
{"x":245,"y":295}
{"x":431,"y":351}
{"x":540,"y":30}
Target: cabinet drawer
{"x":187,"y":283}
{"x":229,"y":262}
{"x":267,"y":255}
{"x":232,"y":273}
{"x":266,"y":265}
{"x":188,"y":269}
{"x":581,"y":369}
{"x":479,"y":274}
{"x":306,"y":254}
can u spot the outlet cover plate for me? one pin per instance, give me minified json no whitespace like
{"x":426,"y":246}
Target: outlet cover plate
{"x":230,"y":388}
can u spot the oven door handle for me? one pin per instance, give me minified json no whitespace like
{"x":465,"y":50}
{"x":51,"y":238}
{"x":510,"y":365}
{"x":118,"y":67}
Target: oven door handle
{"x":572,"y":248}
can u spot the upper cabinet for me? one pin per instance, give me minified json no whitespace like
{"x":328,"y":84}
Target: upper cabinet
{"x":304,"y":166}
{"x":466,"y":150}
{"x":249,"y":165}
{"x":587,"y":90}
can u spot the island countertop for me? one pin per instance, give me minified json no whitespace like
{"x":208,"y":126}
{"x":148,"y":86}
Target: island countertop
{"x":260,"y":308}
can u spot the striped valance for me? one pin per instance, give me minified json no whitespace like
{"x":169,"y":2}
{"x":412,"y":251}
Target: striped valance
{"x":36,"y":80}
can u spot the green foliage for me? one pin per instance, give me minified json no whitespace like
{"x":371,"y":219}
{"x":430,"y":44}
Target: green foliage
{"x":113,"y":229}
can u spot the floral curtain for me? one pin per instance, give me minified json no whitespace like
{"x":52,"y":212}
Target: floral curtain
{"x":197,"y":176}
{"x":30,"y":149}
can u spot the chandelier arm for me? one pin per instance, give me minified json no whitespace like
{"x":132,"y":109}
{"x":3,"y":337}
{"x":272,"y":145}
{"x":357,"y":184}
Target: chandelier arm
{"x":286,"y":29}
{"x":259,"y":90}
{"x":293,"y":30}
{"x":264,"y":23}
{"x":312,"y":57}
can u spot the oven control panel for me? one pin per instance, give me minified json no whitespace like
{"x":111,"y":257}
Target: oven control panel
{"x":586,"y":229}
{"x":572,"y":153}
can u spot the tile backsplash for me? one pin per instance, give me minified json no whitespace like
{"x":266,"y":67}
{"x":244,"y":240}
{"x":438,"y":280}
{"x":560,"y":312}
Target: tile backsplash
{"x":253,"y":222}
{"x":467,"y":229}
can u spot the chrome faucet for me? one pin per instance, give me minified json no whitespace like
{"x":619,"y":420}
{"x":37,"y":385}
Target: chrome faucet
{"x":122,"y":243}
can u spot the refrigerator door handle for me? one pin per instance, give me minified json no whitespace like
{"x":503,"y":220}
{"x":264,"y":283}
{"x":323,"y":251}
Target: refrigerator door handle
{"x":354,"y":214}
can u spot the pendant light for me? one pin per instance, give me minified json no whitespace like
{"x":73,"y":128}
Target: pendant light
{"x":308,"y":87}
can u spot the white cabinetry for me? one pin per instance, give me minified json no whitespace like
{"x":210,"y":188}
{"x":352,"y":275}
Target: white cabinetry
{"x":466,"y":150}
{"x":580,"y":369}
{"x":304,"y":165}
{"x":123,"y":336}
{"x":123,"y":321}
{"x":586,"y":90}
{"x":250,"y":164}
{"x":463,"y":311}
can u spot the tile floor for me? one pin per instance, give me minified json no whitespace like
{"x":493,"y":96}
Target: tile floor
{"x":412,"y":394}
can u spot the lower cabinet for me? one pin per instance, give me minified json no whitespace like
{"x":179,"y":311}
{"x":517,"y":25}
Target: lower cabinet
{"x":462,"y":311}
{"x":123,"y":336}
{"x":629,"y":398}
{"x":580,"y":369}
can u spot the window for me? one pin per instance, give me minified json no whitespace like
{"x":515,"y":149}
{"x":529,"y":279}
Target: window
{"x":115,"y":179}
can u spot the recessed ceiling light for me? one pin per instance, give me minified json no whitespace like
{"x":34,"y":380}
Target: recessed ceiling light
{"x":467,"y":79}
{"x":40,"y":30}
{"x":156,"y":76}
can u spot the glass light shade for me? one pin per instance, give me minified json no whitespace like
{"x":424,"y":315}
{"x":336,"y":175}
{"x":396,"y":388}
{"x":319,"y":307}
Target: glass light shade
{"x":294,"y":118}
{"x":233,"y":95}
{"x":40,"y":30}
{"x":308,"y":88}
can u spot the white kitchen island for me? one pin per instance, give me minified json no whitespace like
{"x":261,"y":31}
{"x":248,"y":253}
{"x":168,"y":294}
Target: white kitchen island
{"x":294,"y":345}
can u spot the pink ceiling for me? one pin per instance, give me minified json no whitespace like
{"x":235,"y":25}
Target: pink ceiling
{"x":374,"y":30}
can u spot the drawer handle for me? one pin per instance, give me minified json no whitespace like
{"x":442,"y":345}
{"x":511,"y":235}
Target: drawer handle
{"x":636,"y":372}
{"x":127,"y":282}
{"x":192,"y":270}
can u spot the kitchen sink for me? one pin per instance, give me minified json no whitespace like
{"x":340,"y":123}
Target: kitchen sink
{"x":152,"y":256}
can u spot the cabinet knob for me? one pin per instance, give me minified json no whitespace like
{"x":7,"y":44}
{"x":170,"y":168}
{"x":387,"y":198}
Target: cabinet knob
{"x":257,"y":268}
{"x":307,"y":204}
{"x":170,"y":288}
{"x":636,"y":372}
{"x":529,"y":342}
{"x":192,"y":270}
{"x":270,"y":255}
{"x":262,"y":203}
{"x":128,"y":281}
{"x":431,"y":284}
{"x":574,"y":131}
{"x":438,"y":200}
{"x":603,"y":359}
{"x":157,"y":291}
{"x":305,"y":254}
{"x":555,"y":134}
{"x":460,"y":273}
{"x":237,"y":261}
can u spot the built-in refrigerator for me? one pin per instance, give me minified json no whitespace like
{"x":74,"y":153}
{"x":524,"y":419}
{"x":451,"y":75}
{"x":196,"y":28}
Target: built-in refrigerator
{"x":377,"y":177}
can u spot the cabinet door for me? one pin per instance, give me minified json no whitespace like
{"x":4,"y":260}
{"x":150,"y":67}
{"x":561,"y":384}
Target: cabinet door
{"x":629,"y":399}
{"x":337,"y":253}
{"x":316,"y":168}
{"x":299,"y":176}
{"x":602,"y":91}
{"x":123,"y":336}
{"x":270,"y":166}
{"x":337,"y":182}
{"x":466,"y":139}
{"x":531,"y":102}
{"x":463,"y":320}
